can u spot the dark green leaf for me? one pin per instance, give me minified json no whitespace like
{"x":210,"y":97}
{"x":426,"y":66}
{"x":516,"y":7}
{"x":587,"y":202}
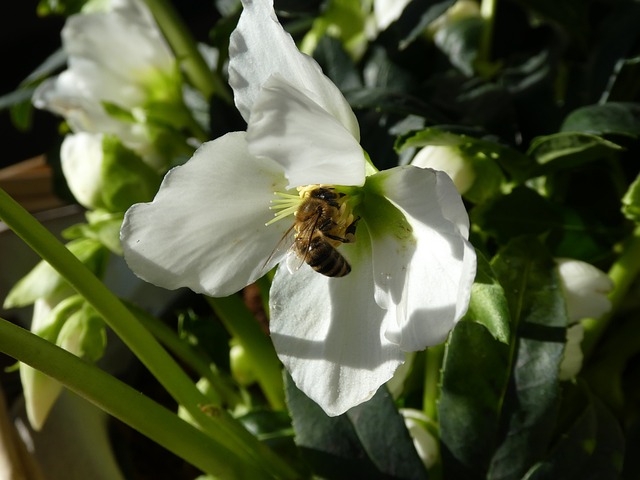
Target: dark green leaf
{"x":474,"y":378}
{"x":369,"y":441}
{"x":530,"y":280}
{"x":459,"y":40}
{"x":591,"y":446}
{"x":60,"y":7}
{"x":617,"y":118}
{"x":488,"y":305}
{"x":415,"y":18}
{"x":337,"y":64}
{"x":521,"y":212}
{"x":567,"y":150}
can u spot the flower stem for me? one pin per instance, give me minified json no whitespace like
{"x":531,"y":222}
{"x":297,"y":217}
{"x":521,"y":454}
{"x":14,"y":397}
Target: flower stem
{"x":623,"y":272}
{"x":207,"y":81}
{"x":124,"y":403}
{"x":221,"y":427}
{"x":433,"y":365}
{"x":488,"y":13}
{"x":235,"y":316}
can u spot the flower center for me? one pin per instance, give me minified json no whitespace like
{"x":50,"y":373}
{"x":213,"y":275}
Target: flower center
{"x":322,"y":206}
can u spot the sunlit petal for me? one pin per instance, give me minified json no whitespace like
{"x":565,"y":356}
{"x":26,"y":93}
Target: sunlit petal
{"x":259,"y":47}
{"x":423,"y":277}
{"x":206,"y":227}
{"x":311,"y":145}
{"x":328,"y":332}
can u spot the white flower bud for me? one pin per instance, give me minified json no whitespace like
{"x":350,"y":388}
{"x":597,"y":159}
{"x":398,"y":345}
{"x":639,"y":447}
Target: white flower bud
{"x":585,"y":288}
{"x":448,"y":160}
{"x":425,"y":443}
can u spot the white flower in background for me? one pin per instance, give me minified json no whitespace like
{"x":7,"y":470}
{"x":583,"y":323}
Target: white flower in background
{"x":425,"y":442}
{"x":118,"y":57}
{"x":403,"y":231}
{"x":586,"y":291}
{"x":386,"y":12}
{"x":449,"y":160}
{"x":81,"y":158}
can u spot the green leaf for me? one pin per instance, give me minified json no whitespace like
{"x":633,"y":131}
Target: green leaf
{"x":126,"y":179}
{"x":534,"y":294}
{"x":566,"y":150}
{"x":592,"y":445}
{"x":488,"y":305}
{"x":474,"y":377}
{"x":631,"y":201}
{"x":521,"y":212}
{"x":336,"y":64}
{"x":43,"y":281}
{"x":617,"y":118}
{"x":459,"y":40}
{"x":369,"y":441}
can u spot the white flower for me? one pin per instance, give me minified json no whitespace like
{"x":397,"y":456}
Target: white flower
{"x":81,"y":158}
{"x":388,"y":11}
{"x":211,"y":228}
{"x":585,"y":288}
{"x":586,"y":291}
{"x":118,"y":57}
{"x":449,"y":160}
{"x":425,"y":442}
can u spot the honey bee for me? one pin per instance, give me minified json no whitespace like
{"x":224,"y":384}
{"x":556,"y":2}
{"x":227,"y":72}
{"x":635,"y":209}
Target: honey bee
{"x":321,"y":225}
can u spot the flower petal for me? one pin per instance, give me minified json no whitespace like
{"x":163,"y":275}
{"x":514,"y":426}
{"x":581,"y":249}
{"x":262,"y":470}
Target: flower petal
{"x":81,"y":160}
{"x":259,"y":47}
{"x":425,"y":278}
{"x":328,"y":332}
{"x":311,"y":145}
{"x":205,"y":229}
{"x":135,"y":47}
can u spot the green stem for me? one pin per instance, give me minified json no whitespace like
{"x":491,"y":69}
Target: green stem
{"x":123,"y":402}
{"x":184,"y":46}
{"x":488,"y":13}
{"x":433,"y":365}
{"x":235,"y":316}
{"x":220,"y":427}
{"x":623,"y":272}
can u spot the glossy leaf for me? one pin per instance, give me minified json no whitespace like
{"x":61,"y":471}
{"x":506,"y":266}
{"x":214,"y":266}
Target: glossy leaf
{"x":474,"y":377}
{"x":488,"y":304}
{"x":528,"y":276}
{"x":369,"y":441}
{"x":521,"y":212}
{"x":618,"y":118}
{"x":567,"y":150}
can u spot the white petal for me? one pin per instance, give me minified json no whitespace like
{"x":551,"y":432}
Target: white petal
{"x":423,"y":277}
{"x":328,"y":333}
{"x":81,"y":159}
{"x":135,"y":45}
{"x":586,"y":289}
{"x":259,"y":47}
{"x":311,"y":145}
{"x":449,"y":160}
{"x":206,"y":227}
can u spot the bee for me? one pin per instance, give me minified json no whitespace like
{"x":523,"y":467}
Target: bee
{"x":321,"y":225}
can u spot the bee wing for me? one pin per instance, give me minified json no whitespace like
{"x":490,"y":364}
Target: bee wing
{"x":299,"y":251}
{"x":285,"y":243}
